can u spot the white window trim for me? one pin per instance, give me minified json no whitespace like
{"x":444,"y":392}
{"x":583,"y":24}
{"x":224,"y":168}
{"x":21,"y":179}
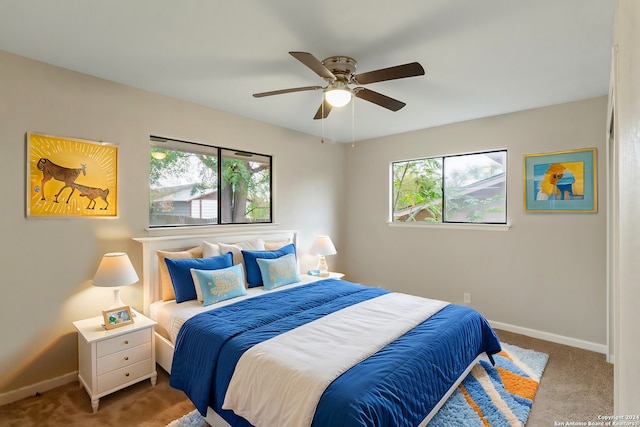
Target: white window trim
{"x":448,"y":225}
{"x":451,"y":226}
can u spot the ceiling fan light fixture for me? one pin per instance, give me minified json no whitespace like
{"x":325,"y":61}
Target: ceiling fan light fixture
{"x":339,"y":72}
{"x":338,"y":94}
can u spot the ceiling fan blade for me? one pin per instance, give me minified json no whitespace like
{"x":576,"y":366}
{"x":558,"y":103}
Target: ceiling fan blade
{"x":323,"y":111}
{"x":398,"y":72}
{"x":378,"y":98}
{"x":279,"y":92}
{"x":312,"y":62}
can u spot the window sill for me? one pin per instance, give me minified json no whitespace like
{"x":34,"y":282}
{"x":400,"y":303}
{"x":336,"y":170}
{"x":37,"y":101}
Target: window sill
{"x":447,"y":226}
{"x":208,"y":228}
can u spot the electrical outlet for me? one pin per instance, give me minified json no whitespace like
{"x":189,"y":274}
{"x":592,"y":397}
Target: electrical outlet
{"x":467,"y":298}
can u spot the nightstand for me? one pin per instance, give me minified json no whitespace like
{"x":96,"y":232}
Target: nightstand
{"x":332,"y":275}
{"x":110,"y":360}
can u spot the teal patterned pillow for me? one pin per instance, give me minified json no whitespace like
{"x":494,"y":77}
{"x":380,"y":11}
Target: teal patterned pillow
{"x":220,"y":285}
{"x":278,"y":272}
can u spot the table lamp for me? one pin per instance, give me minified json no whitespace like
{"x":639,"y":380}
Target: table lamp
{"x":323,"y":246}
{"x":115,"y":270}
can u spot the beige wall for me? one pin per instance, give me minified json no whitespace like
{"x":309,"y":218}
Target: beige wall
{"x":47,"y":264}
{"x":546,"y":273}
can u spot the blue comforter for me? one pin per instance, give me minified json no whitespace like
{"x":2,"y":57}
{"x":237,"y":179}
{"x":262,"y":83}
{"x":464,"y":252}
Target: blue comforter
{"x":397,"y":386}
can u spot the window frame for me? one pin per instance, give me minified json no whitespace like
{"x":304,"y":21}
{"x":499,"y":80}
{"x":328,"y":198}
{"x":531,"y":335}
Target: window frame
{"x":211,"y":150}
{"x":443,"y":222}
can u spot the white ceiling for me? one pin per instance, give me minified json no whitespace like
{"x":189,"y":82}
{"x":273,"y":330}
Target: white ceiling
{"x":482,"y":58}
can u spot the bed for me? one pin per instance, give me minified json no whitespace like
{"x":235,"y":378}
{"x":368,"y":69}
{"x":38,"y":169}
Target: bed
{"x":384,"y":373}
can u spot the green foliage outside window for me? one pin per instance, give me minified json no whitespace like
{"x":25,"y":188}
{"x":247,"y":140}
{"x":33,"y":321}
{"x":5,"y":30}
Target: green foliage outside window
{"x":417,"y":188}
{"x":185,"y":189}
{"x":469,"y":188}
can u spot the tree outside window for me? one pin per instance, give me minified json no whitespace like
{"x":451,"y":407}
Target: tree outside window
{"x":466,"y":188}
{"x":185,"y":188}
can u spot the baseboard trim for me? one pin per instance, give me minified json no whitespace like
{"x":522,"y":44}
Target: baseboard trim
{"x":548,"y":336}
{"x":41,"y":387}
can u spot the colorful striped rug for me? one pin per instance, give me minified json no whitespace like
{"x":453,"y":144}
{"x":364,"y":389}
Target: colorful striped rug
{"x":495,"y":396}
{"x":490,"y":396}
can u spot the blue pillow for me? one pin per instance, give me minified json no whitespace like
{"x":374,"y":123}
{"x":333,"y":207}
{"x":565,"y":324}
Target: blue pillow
{"x":278,"y":272}
{"x":220,"y":285}
{"x":254,"y":277}
{"x":179,"y":270}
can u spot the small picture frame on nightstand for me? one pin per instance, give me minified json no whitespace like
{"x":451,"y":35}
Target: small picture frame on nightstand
{"x":116,"y":317}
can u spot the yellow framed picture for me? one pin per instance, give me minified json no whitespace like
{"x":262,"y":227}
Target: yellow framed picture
{"x":71,"y":177}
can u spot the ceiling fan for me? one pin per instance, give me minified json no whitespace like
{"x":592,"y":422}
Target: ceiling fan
{"x":339,"y":72}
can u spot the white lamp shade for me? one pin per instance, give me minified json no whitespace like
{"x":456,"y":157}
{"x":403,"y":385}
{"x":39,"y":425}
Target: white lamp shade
{"x":323,"y":245}
{"x":115,"y":270}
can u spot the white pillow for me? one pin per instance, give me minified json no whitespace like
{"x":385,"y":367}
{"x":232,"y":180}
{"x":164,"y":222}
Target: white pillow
{"x":196,"y":285}
{"x":256,"y":244}
{"x":275,"y":245}
{"x":210,"y":249}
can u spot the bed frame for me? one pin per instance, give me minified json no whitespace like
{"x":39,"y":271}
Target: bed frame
{"x":152,"y":291}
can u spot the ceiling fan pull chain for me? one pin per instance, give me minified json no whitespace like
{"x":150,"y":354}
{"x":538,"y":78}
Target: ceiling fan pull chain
{"x":353,"y":120}
{"x":322,"y":121}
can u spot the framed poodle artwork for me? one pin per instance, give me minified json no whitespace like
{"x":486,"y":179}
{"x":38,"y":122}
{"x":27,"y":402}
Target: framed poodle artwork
{"x":563,"y":181}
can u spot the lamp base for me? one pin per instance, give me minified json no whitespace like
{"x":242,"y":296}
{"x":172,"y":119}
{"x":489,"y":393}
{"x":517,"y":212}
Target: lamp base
{"x":118,"y":301}
{"x":323,"y":267}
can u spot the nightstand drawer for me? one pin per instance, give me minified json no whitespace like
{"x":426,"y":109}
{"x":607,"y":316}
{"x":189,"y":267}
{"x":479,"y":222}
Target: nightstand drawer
{"x":123,"y":358}
{"x":124,"y":375}
{"x":123,"y":342}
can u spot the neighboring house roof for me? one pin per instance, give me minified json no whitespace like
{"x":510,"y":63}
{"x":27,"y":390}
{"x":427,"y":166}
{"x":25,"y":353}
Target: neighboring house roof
{"x":467,"y":190}
{"x":483,"y":184}
{"x":181,"y":193}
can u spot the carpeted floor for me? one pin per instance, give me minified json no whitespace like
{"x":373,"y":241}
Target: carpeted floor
{"x":577,"y":385}
{"x":69,"y":405}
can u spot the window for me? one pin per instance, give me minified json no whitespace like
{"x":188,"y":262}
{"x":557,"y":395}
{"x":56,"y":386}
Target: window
{"x":464,"y":188}
{"x":196,"y":184}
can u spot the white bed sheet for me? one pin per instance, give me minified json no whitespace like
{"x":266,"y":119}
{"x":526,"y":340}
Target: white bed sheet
{"x":171,"y":315}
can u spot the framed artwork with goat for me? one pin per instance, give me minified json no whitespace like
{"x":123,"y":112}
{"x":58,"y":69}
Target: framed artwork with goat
{"x":563,"y":181}
{"x":69,"y":177}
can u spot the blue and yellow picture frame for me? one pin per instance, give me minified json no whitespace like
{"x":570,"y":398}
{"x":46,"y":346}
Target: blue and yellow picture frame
{"x":563,"y":181}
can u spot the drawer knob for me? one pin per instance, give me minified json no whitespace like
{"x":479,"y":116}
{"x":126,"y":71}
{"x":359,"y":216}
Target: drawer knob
{"x":127,"y":374}
{"x":126,"y":341}
{"x":126,"y":358}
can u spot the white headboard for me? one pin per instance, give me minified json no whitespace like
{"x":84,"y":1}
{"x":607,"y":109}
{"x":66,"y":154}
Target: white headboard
{"x":152,"y":289}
